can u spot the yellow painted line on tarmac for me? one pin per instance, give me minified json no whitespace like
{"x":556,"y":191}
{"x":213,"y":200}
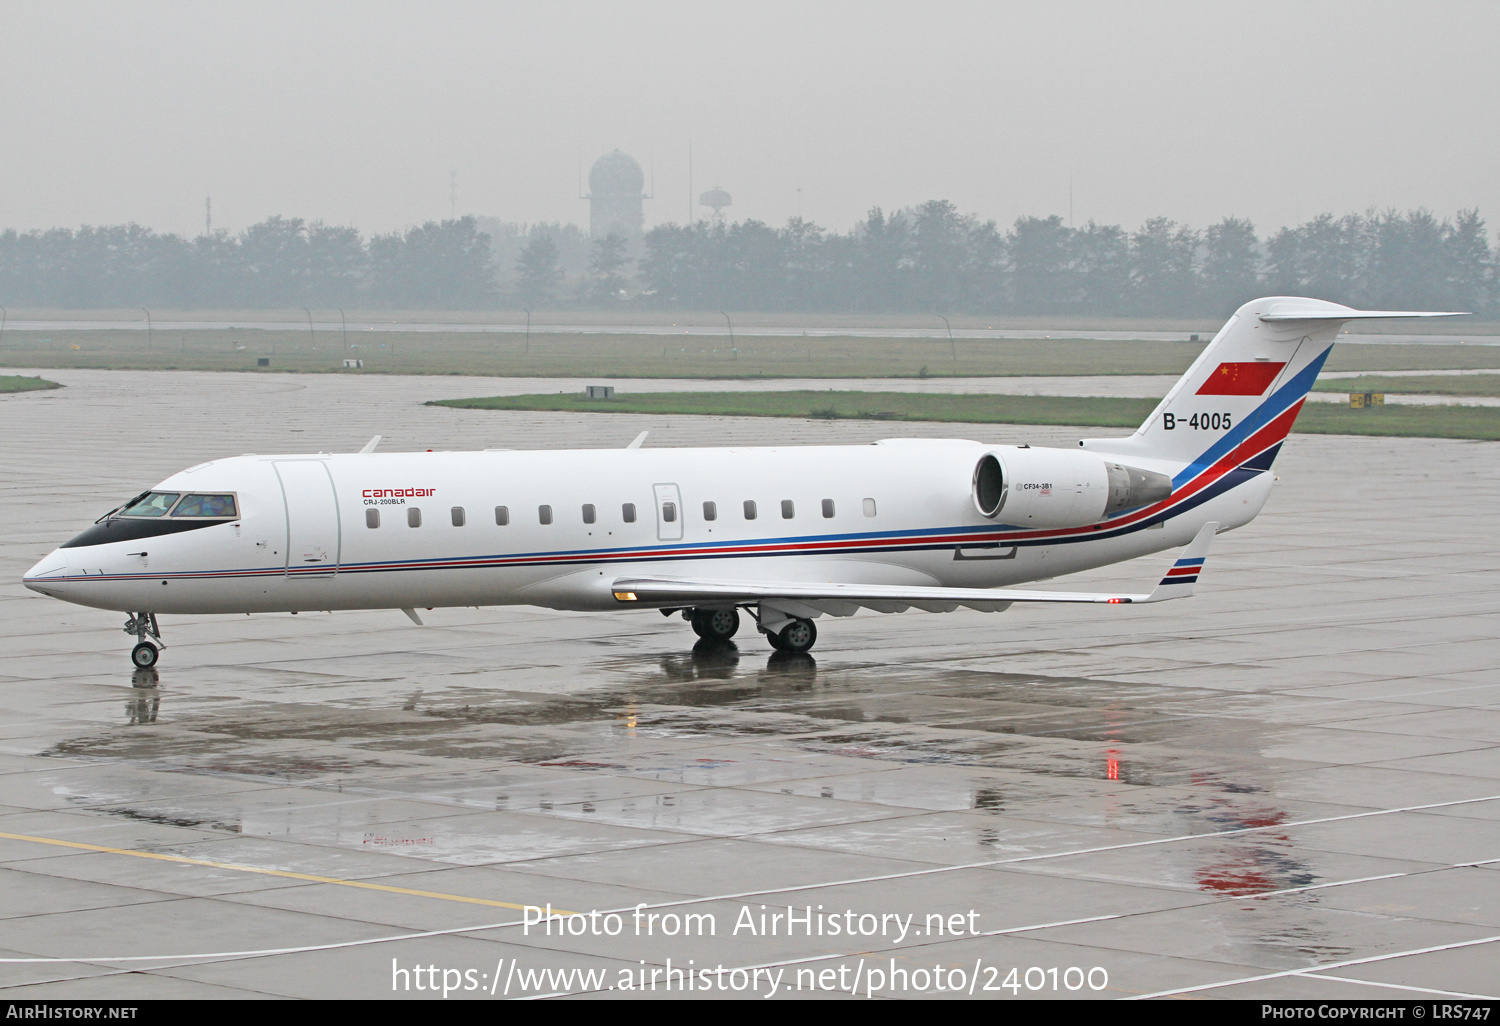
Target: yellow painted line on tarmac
{"x":283,"y":873}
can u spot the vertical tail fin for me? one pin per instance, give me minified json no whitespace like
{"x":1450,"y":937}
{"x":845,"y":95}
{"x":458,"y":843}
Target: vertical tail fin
{"x":1242,"y":395}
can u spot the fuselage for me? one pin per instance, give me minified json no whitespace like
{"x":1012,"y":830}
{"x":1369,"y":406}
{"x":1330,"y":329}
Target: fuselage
{"x":555,"y":528}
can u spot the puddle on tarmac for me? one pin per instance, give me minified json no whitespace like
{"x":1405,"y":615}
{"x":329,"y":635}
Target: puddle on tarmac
{"x":1049,"y":725}
{"x":990,"y":743}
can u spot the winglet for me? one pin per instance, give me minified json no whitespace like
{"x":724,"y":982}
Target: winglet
{"x":640,"y":440}
{"x":1184,"y":573}
{"x":371,"y":444}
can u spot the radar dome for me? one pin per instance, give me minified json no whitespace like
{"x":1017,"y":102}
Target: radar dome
{"x":616,"y":174}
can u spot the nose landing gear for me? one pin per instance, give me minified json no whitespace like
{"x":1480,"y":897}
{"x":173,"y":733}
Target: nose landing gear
{"x":142,"y":625}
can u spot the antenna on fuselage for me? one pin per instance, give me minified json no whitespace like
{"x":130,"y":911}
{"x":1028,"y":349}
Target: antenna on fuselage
{"x":371,"y":444}
{"x":640,"y":440}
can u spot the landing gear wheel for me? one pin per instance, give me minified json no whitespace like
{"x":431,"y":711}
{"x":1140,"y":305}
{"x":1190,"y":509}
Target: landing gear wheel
{"x":716,"y":624}
{"x":797,"y":636}
{"x":143,"y":626}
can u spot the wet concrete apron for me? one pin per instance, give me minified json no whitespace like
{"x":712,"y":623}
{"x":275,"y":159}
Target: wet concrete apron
{"x":1297,"y":768}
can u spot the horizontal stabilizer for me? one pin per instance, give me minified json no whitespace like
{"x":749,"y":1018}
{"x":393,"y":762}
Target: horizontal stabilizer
{"x":1297,"y":309}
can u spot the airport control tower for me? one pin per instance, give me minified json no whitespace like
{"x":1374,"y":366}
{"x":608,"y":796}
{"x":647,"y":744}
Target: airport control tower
{"x":616,"y":186}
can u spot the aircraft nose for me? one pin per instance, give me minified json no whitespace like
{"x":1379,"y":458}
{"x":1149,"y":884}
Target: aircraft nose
{"x":53,"y":565}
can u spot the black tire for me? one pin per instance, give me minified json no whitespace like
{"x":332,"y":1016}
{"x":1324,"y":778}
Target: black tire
{"x":716,"y":624}
{"x":798,"y":636}
{"x":144,"y":655}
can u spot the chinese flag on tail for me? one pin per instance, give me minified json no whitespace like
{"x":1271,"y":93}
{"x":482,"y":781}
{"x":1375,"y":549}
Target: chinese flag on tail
{"x":1241,"y":378}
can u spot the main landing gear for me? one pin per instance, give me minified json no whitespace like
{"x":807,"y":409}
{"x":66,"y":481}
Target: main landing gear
{"x":719,"y":625}
{"x":144,"y":625}
{"x":797,"y":637}
{"x":715,"y":624}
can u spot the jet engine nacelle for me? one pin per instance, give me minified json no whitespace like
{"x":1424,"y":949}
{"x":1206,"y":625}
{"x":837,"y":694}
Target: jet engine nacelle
{"x":1051,"y":488}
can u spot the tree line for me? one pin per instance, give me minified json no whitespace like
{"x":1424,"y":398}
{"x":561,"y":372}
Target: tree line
{"x":933,"y":259}
{"x":279,"y":263}
{"x":927,"y":259}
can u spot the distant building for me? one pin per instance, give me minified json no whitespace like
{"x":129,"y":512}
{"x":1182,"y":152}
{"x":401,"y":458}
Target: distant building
{"x":616,"y":189}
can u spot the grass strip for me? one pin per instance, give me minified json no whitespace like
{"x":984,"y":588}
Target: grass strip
{"x":1468,"y":422}
{"x":1436,"y":384}
{"x":628,"y":355}
{"x":19,"y":383}
{"x":841,"y":405}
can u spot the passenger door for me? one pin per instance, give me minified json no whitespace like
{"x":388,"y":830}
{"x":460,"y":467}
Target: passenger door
{"x":668,"y":512}
{"x":313,"y":535}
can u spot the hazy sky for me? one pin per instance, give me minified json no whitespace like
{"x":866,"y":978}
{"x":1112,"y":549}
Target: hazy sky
{"x":355,"y":113}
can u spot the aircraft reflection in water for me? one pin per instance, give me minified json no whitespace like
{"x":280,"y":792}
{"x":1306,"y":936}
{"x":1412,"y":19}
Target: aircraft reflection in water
{"x":1253,"y":859}
{"x":146,"y":702}
{"x":784,"y":534}
{"x":709,"y":660}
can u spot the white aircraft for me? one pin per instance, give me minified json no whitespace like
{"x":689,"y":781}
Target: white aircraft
{"x":786,"y":534}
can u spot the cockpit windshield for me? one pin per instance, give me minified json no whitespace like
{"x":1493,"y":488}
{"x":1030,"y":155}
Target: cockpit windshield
{"x":193,"y":504}
{"x":152,"y":504}
{"x":152,"y":514}
{"x":206,"y":506}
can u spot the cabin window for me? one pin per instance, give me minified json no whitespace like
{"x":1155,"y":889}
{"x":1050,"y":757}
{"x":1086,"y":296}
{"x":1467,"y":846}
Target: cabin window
{"x":458,"y":516}
{"x":869,"y":507}
{"x":749,"y":509}
{"x":710,"y":511}
{"x":544,"y":514}
{"x":372,"y":518}
{"x":828,"y":509}
{"x":206,"y":506}
{"x":627,"y":512}
{"x":669,"y":512}
{"x":413,"y":517}
{"x":502,"y":516}
{"x":588,"y":513}
{"x":787,"y":509}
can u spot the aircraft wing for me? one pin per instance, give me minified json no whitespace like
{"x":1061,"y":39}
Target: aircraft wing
{"x":806,"y":598}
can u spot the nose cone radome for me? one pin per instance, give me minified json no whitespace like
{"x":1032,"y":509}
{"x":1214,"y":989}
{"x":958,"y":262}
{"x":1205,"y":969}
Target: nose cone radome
{"x":52,"y":568}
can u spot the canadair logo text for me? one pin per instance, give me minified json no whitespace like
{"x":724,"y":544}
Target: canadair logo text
{"x":398,"y":493}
